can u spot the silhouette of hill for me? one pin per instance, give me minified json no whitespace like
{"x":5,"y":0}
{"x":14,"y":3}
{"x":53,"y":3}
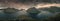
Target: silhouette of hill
{"x":52,"y":9}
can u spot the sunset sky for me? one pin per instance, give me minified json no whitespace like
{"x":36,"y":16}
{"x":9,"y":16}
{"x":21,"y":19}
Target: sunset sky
{"x":25,"y":4}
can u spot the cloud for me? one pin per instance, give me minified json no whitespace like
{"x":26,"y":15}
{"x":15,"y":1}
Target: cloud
{"x":25,"y":4}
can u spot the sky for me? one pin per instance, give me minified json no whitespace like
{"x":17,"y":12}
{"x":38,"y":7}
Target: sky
{"x":25,"y":4}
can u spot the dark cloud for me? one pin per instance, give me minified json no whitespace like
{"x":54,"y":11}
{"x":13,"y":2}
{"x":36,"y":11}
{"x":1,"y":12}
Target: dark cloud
{"x":24,"y":0}
{"x":42,"y":1}
{"x":17,"y":0}
{"x":31,"y":1}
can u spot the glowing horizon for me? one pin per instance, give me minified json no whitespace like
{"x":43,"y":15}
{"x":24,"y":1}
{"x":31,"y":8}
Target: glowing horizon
{"x":24,"y":6}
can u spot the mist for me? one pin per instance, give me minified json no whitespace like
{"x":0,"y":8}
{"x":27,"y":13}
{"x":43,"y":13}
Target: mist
{"x":44,"y":5}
